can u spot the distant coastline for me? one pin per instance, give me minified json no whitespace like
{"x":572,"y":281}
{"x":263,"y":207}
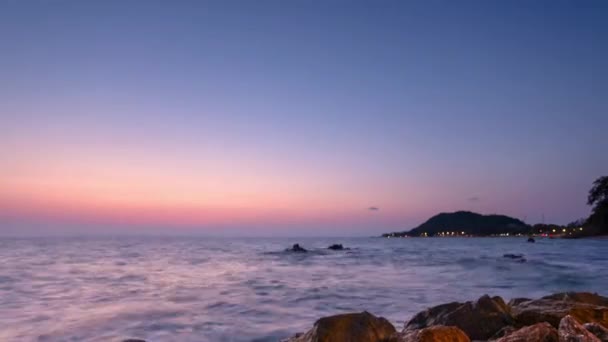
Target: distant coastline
{"x":469,"y":224}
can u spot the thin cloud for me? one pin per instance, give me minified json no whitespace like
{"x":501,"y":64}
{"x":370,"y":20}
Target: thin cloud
{"x":373,"y":208}
{"x":474,"y":199}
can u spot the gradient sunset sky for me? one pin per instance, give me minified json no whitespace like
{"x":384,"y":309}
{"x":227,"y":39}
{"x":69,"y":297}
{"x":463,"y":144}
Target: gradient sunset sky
{"x":294,"y":117}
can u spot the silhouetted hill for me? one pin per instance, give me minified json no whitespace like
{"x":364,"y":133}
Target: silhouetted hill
{"x":467,"y":223}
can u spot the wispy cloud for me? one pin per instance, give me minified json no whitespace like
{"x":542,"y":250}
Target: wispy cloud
{"x":373,"y":208}
{"x":474,"y":199}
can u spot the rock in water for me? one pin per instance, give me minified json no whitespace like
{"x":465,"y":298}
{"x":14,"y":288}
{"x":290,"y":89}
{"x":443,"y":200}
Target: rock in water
{"x":336,"y":247}
{"x":437,"y":333}
{"x":572,"y":331}
{"x":513,"y":256}
{"x":531,"y":239}
{"x":585,"y":307}
{"x":597,"y":330}
{"x":540,"y":332}
{"x":296,"y":248}
{"x":352,"y":327}
{"x":480,"y":320}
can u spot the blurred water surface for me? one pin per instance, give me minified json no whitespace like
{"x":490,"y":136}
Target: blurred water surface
{"x":233,"y":289}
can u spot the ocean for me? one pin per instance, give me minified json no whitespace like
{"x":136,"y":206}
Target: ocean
{"x":249,"y":289}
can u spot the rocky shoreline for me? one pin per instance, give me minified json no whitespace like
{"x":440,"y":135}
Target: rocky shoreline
{"x":561,"y":317}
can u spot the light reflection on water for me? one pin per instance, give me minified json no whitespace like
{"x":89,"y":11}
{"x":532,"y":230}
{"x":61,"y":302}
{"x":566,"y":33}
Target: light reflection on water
{"x":201,"y":289}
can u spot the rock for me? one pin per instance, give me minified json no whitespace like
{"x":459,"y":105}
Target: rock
{"x":296,"y":248}
{"x":580,"y":297}
{"x":437,"y":333}
{"x":517,"y":301}
{"x":336,"y":247}
{"x":531,"y":239}
{"x":597,"y":330}
{"x":585,"y":307}
{"x":133,"y":340}
{"x":355,"y":327}
{"x":540,"y":332}
{"x":503,"y":332}
{"x":480,"y":320}
{"x":572,"y":331}
{"x":513,"y":256}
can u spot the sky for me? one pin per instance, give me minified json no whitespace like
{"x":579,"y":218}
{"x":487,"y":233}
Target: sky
{"x":292,"y":118}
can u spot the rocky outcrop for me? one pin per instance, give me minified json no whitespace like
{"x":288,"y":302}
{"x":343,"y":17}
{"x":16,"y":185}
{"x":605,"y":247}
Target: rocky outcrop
{"x":585,"y":307}
{"x":572,"y":331}
{"x":554,"y":318}
{"x":597,"y":330}
{"x":540,"y":332}
{"x":336,"y":247}
{"x":355,"y":327}
{"x":296,"y":248}
{"x":480,"y":320}
{"x":437,"y":333}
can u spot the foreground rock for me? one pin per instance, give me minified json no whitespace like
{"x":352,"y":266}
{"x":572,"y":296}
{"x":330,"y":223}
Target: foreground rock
{"x":555,"y":318}
{"x":540,"y":332}
{"x":597,"y":330}
{"x":572,"y":331}
{"x":353,"y":327}
{"x":437,"y":333}
{"x":585,"y":307}
{"x":480,"y":320}
{"x":336,"y":247}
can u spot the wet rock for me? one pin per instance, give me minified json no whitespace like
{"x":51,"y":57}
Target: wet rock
{"x":580,"y":297}
{"x":531,"y":239}
{"x":355,"y":327}
{"x":597,"y":330}
{"x":437,"y":333}
{"x":133,"y":340}
{"x":585,"y":307}
{"x":540,"y":332}
{"x":517,"y":301}
{"x":572,"y":331}
{"x":296,"y":248}
{"x":336,"y":247}
{"x":480,"y":320}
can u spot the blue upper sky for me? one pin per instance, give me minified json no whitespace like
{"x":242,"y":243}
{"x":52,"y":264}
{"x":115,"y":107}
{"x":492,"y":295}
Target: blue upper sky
{"x":329,"y":106}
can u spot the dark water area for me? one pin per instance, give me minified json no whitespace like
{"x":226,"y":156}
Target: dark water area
{"x":202,"y":289}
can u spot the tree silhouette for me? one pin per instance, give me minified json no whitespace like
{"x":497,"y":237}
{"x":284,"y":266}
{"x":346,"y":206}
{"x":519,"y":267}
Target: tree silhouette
{"x":598,"y":195}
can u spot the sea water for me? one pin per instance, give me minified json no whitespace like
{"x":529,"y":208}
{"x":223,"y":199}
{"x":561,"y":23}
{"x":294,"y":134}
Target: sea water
{"x":249,"y":289}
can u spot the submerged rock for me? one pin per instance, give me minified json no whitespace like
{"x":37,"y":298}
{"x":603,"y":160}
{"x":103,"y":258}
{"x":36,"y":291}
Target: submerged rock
{"x":540,"y":332}
{"x":516,"y":257}
{"x":437,"y":333}
{"x":355,"y":327}
{"x":599,"y":331}
{"x":296,"y":248}
{"x":585,"y":307}
{"x":572,"y":331}
{"x":480,"y":320}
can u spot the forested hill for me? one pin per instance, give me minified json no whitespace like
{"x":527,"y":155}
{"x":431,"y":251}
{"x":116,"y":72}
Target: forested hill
{"x":467,"y":223}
